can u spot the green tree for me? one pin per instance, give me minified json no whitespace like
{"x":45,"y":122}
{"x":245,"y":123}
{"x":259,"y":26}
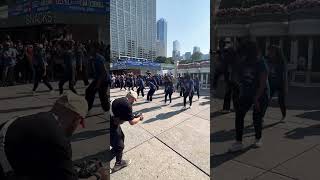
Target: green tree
{"x":197,"y":56}
{"x":161,"y":59}
{"x":169,"y":60}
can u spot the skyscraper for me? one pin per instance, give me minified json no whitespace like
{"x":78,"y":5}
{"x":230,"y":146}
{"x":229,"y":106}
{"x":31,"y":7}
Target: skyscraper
{"x":196,"y":49}
{"x":187,"y":55}
{"x":162,"y":37}
{"x":133,"y":28}
{"x":176,"y":50}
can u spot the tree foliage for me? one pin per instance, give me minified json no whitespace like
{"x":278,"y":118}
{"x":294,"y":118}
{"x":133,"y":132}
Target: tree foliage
{"x":197,"y":56}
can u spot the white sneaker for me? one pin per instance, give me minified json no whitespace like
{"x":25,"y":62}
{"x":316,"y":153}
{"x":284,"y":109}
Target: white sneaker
{"x":258,"y":143}
{"x":183,"y":108}
{"x":237,"y":146}
{"x":190,"y":107}
{"x":283,"y":119}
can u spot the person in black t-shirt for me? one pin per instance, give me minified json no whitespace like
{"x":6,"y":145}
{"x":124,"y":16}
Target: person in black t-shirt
{"x":37,"y":146}
{"x":121,"y":111}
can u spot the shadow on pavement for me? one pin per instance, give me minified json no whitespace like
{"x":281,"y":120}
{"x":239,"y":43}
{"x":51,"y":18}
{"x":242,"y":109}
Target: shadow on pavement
{"x":103,"y":156}
{"x":229,"y":135}
{"x":163,"y":116}
{"x":171,"y":98}
{"x":216,"y":114}
{"x":17,"y":97}
{"x":204,"y":103}
{"x":24,"y":109}
{"x":218,"y":159}
{"x":149,"y":109}
{"x":315,"y":115}
{"x":301,"y":133}
{"x":89,"y":134}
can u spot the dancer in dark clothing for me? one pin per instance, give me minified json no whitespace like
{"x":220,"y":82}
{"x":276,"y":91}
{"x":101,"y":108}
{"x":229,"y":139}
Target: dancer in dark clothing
{"x":69,"y":68}
{"x":153,"y":86}
{"x":40,"y":68}
{"x":140,"y":86}
{"x":278,"y":79}
{"x":168,"y":85}
{"x":197,"y":86}
{"x":188,"y":91}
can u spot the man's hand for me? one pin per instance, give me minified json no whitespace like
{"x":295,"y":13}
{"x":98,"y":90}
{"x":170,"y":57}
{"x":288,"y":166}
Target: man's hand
{"x":141,"y":117}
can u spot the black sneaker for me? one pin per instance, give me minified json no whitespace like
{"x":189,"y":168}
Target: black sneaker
{"x":122,"y":164}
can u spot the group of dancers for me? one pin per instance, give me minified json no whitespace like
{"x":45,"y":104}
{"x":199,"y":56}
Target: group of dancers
{"x":186,"y":85}
{"x":251,"y":81}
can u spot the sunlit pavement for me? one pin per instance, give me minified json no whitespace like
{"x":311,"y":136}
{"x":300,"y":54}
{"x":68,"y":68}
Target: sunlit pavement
{"x":291,"y":150}
{"x":170,"y":143}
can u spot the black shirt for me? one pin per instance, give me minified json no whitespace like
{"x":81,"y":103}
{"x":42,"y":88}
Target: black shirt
{"x":36,"y":147}
{"x":122,"y":109}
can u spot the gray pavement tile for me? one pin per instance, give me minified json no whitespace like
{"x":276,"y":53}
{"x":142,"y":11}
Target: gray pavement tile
{"x":304,"y":167}
{"x":134,"y":136}
{"x":272,"y":176}
{"x":154,"y":160}
{"x":205,"y":114}
{"x":191,"y":140}
{"x":269,"y":155}
{"x":233,"y":170}
{"x":160,"y":120}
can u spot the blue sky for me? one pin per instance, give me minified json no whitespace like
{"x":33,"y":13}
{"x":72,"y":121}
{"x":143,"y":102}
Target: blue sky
{"x":188,"y":22}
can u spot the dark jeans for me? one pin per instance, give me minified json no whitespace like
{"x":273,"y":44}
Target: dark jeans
{"x":140,"y":90}
{"x":69,"y":76}
{"x":122,"y":85}
{"x":181,"y":92}
{"x":83,"y":75}
{"x":8,"y":75}
{"x":232,"y":91}
{"x":198,"y":92}
{"x":185,"y":95}
{"x":116,"y":142}
{"x":102,"y":90}
{"x":281,"y":98}
{"x":38,"y":77}
{"x":245,"y":103}
{"x":150,"y":94}
{"x":170,"y":95}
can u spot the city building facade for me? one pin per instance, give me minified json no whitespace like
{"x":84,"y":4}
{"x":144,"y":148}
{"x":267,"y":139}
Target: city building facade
{"x":294,"y":26}
{"x":187,"y":55}
{"x":176,"y":51}
{"x":196,"y":49}
{"x":162,"y":26}
{"x":133,"y":28}
{"x":48,"y":19}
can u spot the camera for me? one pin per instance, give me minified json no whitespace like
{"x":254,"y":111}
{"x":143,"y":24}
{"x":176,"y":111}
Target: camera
{"x":136,"y":115}
{"x":86,"y":169}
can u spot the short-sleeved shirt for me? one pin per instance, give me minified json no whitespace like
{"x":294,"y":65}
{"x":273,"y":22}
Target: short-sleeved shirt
{"x":276,"y":73}
{"x":99,"y":63}
{"x":249,"y":78}
{"x":36,"y":146}
{"x":122,"y":109}
{"x":10,"y":57}
{"x":70,"y":61}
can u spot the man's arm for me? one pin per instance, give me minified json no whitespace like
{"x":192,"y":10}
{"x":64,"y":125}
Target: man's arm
{"x":135,"y":121}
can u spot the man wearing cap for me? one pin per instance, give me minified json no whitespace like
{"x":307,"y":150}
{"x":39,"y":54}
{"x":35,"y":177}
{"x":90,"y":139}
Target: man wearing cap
{"x":38,"y":146}
{"x":121,"y":111}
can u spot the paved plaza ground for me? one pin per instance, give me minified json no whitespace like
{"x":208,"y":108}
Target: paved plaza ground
{"x":168,"y":144}
{"x":291,"y":150}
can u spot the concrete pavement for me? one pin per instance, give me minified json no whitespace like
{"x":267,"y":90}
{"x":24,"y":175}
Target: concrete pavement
{"x":291,"y":150}
{"x":169,"y":143}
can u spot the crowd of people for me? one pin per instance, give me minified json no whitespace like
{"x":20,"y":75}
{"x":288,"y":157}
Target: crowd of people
{"x":186,"y":85}
{"x":251,"y":80}
{"x":64,"y":60}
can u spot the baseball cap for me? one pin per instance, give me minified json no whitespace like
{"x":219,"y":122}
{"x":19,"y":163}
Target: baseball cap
{"x":133,"y":95}
{"x":74,"y":103}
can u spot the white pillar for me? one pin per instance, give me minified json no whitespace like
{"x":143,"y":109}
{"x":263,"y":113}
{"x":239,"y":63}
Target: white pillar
{"x":310,"y":54}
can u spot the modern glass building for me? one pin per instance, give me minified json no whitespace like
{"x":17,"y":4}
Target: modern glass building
{"x":133,"y":28}
{"x":162,"y":37}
